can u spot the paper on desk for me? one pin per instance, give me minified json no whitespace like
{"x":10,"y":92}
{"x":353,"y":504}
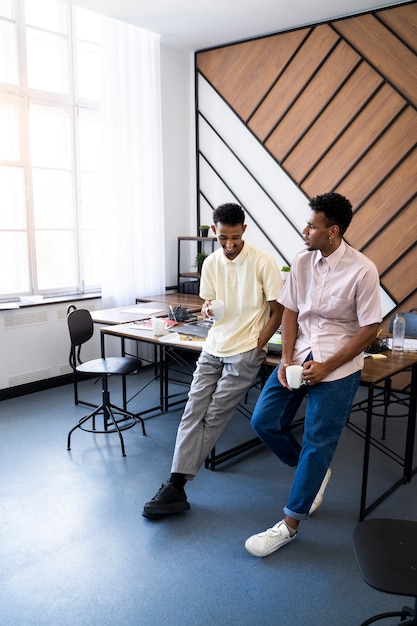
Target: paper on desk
{"x":142,"y":311}
{"x":410,"y":345}
{"x":147,"y":324}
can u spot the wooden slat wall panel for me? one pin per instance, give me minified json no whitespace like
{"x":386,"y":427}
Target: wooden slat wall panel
{"x":381,"y":158}
{"x":401,"y":279}
{"x":383,"y":50}
{"x":292,"y":80}
{"x":383,"y":205}
{"x":351,"y":128}
{"x":403,"y":21}
{"x":339,"y":113}
{"x":354,"y":142}
{"x":312,"y":100}
{"x":243,"y":73}
{"x":388,"y":247}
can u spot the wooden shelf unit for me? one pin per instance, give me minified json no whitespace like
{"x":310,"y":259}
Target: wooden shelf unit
{"x":192,"y":279}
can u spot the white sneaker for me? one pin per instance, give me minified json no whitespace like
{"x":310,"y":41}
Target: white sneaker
{"x":269,"y":541}
{"x":320,"y":494}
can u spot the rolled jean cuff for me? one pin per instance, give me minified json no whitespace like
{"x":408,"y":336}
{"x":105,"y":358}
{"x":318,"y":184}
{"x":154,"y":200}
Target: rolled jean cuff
{"x":298,"y":516}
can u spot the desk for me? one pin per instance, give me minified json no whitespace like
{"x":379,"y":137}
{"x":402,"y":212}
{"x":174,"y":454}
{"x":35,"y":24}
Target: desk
{"x":130,"y":313}
{"x":129,"y":331}
{"x":375,"y":373}
{"x":187,"y":300}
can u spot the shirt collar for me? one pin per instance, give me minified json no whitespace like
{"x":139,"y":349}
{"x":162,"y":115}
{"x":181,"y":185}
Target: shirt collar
{"x":333,"y":258}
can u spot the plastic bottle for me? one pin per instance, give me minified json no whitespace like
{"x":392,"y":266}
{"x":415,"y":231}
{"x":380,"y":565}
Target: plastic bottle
{"x":398,"y":333}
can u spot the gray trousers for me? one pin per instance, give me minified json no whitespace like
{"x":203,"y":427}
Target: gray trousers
{"x":218,"y":385}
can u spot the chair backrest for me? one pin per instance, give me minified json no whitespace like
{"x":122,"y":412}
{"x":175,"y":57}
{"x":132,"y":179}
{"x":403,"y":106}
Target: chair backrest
{"x":410,"y":323}
{"x":81,"y":329}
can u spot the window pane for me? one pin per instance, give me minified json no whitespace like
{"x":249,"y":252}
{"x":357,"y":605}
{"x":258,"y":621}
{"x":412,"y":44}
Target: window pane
{"x":6,"y":8}
{"x":92,"y":260}
{"x":9,"y":133}
{"x":53,"y":199}
{"x":50,"y":137}
{"x":89,"y":25}
{"x":47,"y":14}
{"x":90,"y":141}
{"x":14,"y":275}
{"x":50,"y":148}
{"x":89,"y":71}
{"x":55,"y":259}
{"x":8,"y":54}
{"x":91,"y":200}
{"x":47,"y":59}
{"x":12,"y":194}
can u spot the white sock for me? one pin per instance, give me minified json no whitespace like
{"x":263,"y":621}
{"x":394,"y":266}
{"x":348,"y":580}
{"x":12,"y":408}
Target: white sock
{"x":290,"y":530}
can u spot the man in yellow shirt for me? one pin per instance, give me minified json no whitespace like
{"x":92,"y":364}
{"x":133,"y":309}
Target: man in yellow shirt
{"x":249,"y":283}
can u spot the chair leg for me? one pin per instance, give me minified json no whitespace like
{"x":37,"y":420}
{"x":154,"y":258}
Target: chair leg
{"x":128,"y":415}
{"x":92,"y":416}
{"x":408,"y":616}
{"x":376,"y":618}
{"x":109,"y":411}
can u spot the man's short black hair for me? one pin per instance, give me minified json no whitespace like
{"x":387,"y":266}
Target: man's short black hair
{"x":336,"y":208}
{"x":229,"y":213}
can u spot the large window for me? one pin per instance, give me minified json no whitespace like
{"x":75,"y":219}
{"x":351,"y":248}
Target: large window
{"x":50,"y":152}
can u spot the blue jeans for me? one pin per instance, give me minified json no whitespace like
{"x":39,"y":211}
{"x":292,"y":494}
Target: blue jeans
{"x":328,"y":408}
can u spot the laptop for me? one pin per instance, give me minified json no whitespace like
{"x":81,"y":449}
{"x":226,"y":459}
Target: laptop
{"x":194,"y":329}
{"x":275,"y":344}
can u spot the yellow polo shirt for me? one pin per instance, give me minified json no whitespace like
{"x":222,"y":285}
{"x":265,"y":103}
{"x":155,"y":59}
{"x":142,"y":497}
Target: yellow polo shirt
{"x":245,"y":285}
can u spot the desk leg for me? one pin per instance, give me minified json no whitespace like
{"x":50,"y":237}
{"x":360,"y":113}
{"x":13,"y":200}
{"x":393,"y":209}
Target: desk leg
{"x":163,"y":377}
{"x":367,"y":449}
{"x":411,"y":426}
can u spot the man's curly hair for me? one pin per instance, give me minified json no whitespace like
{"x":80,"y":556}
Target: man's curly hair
{"x":336,"y":208}
{"x":229,"y":213}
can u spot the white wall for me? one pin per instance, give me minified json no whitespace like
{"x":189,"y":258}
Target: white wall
{"x":34,"y":343}
{"x":178,"y":129}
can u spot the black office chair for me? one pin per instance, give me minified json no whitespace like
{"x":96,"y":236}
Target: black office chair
{"x":386,"y":554}
{"x":81,"y":329}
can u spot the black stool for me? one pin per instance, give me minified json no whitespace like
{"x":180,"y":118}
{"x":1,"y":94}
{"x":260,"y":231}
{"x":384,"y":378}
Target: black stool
{"x":386,"y":553}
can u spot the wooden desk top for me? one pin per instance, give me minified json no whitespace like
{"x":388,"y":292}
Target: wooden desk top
{"x":188,"y":300}
{"x":377,"y":370}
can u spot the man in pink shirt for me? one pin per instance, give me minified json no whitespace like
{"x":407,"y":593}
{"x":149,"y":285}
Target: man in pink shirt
{"x":332,"y":312}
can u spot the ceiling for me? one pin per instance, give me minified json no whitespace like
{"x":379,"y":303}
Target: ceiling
{"x":198,"y":24}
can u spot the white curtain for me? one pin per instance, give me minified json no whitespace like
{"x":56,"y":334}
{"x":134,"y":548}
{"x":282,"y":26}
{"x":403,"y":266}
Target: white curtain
{"x":133,"y":211}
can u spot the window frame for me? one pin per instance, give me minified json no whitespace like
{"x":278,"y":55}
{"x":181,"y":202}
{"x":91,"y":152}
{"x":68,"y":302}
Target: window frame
{"x":21,"y":96}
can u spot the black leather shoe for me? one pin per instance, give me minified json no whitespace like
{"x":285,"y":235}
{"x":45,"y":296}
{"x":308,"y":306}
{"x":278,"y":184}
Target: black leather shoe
{"x":166,"y":501}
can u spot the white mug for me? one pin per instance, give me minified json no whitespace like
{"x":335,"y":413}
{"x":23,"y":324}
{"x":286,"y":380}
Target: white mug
{"x":158,"y":326}
{"x":217,"y":310}
{"x":294,"y":375}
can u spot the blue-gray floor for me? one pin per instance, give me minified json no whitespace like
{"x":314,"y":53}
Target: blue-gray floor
{"x":75,"y":549}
